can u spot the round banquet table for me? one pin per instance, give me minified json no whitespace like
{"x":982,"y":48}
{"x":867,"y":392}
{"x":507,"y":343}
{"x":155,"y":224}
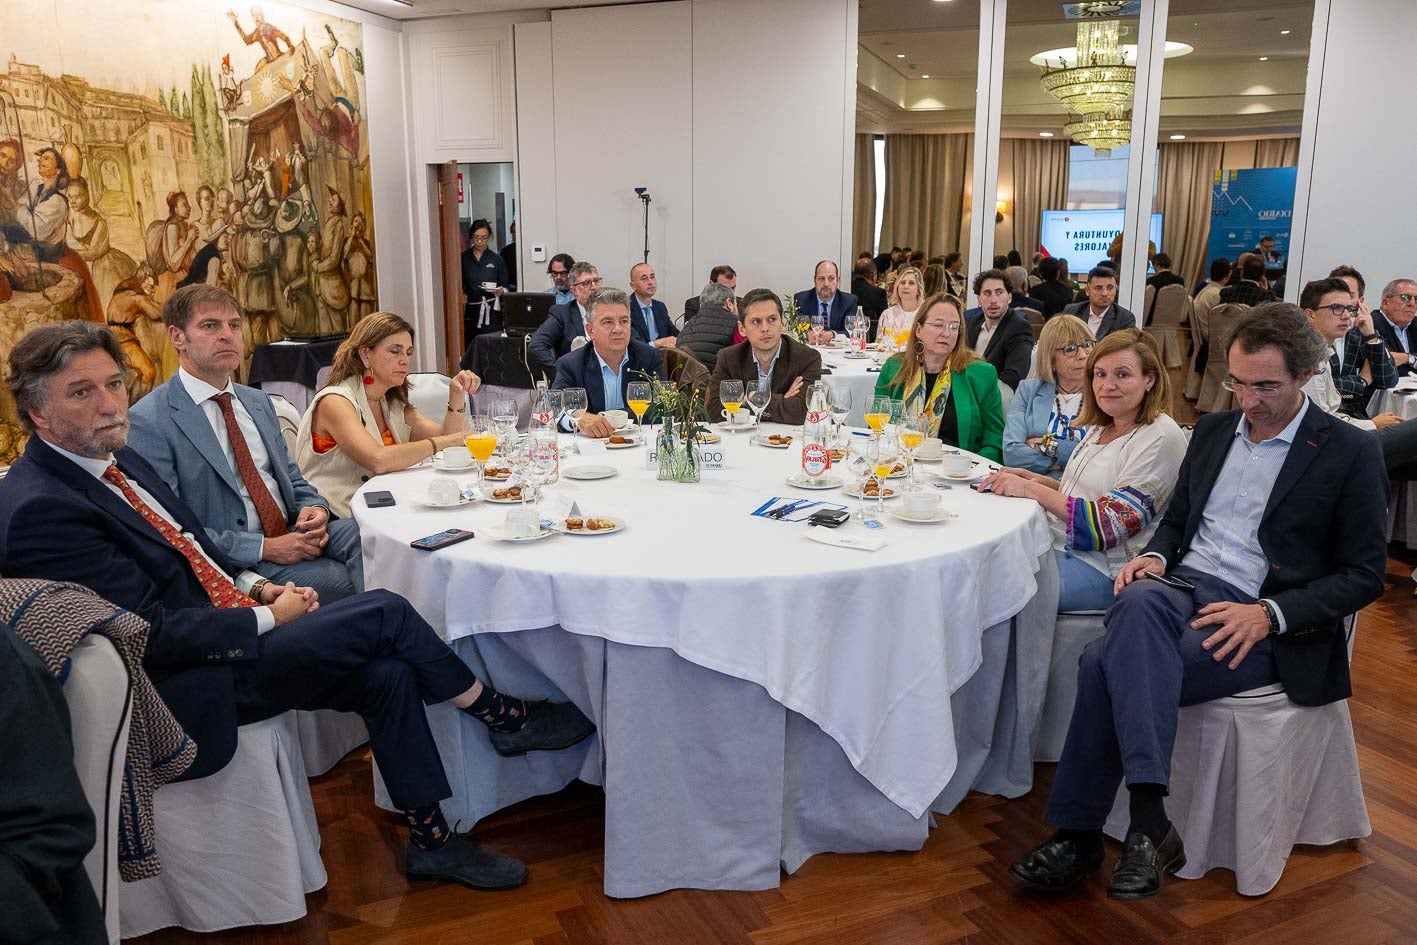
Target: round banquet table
{"x":857,"y":374}
{"x":759,"y":697}
{"x":1402,"y":522}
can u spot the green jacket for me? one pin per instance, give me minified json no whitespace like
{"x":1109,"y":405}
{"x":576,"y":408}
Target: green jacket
{"x":978,"y":406}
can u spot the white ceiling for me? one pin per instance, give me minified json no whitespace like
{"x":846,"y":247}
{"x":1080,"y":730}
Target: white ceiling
{"x":422,"y":9}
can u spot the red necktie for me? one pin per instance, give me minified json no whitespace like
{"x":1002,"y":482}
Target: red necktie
{"x":272,"y":521}
{"x":218,"y":586}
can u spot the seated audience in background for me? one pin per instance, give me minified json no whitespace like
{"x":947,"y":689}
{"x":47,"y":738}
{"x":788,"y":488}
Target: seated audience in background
{"x":228,"y":646}
{"x":559,"y":269}
{"x":1119,"y":479}
{"x":1249,"y":289}
{"x":872,"y":299}
{"x":1209,"y":293}
{"x":938,"y":376}
{"x":711,"y":330}
{"x":481,"y":264}
{"x":1206,"y":299}
{"x":1358,"y":361}
{"x":888,"y":261}
{"x":825,"y":300}
{"x":767,"y":357}
{"x":649,"y":316}
{"x":999,"y":334}
{"x":1356,"y":284}
{"x":1033,"y":265}
{"x":1052,"y":293}
{"x":1277,"y":522}
{"x":361,"y":423}
{"x":1015,"y":258}
{"x":1101,"y":311}
{"x":1267,"y":253}
{"x":1001,"y":262}
{"x":1017,"y":278}
{"x":606,"y":366}
{"x":916,"y":259}
{"x":1163,"y":275}
{"x":1399,"y":308}
{"x":956,"y":283}
{"x":906,"y":296}
{"x":564,"y":328}
{"x":718,"y":275}
{"x":509,"y":257}
{"x":218,"y":446}
{"x":933,"y":280}
{"x":1039,"y":434}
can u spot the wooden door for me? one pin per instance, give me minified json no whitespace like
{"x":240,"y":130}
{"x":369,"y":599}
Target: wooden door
{"x":450,"y":239}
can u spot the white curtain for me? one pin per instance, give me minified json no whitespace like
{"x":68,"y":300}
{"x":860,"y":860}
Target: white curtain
{"x":863,"y":204}
{"x":1040,"y":173}
{"x":1185,"y":175}
{"x":1276,"y":152}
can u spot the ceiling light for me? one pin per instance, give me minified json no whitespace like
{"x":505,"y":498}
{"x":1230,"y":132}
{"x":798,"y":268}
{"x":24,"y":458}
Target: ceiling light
{"x":1284,"y":32}
{"x":1069,"y":54}
{"x":924,"y":75}
{"x":1264,"y":59}
{"x":1096,"y":87}
{"x":1178,"y":137}
{"x":1045,"y":134}
{"x":900,"y":55}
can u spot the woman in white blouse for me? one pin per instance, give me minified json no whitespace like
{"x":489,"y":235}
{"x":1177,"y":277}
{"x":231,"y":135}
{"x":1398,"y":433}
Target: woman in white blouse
{"x":906,"y":296}
{"x":1120,"y":477}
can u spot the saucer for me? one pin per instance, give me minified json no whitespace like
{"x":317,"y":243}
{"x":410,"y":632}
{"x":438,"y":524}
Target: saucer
{"x":938,"y":515}
{"x":634,"y":441}
{"x":855,"y":493}
{"x":856,"y":355}
{"x":588,"y":472}
{"x":975,"y":473}
{"x":497,"y":533}
{"x":758,"y":440}
{"x":438,"y":463}
{"x":826,"y":482}
{"x":617,"y":525}
{"x":459,"y":501}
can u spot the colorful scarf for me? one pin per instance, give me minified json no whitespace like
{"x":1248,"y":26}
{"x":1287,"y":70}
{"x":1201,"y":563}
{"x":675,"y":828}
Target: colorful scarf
{"x":52,"y":618}
{"x":913,"y":399}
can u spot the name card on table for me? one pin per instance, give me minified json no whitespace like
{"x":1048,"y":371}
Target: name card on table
{"x":859,"y":542}
{"x":712,"y":456}
{"x":589,"y":446}
{"x":560,"y":507}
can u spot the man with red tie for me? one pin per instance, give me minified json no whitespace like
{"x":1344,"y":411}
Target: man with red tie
{"x":218,"y":445}
{"x":228,"y":647}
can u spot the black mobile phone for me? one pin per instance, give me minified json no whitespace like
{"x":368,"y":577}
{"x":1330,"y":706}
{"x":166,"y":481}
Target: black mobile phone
{"x":441,"y":540}
{"x":830,"y":518}
{"x":379,"y":500}
{"x":980,"y":487}
{"x":1171,"y":580}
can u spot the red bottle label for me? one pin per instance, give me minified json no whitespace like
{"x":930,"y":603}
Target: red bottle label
{"x":816,"y":460}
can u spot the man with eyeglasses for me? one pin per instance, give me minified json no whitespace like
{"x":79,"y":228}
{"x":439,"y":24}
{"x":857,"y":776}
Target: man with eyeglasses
{"x":1358,"y":361}
{"x":559,"y":269}
{"x":1328,"y":304}
{"x":564,"y":329}
{"x":1273,"y":535}
{"x":1399,"y":307}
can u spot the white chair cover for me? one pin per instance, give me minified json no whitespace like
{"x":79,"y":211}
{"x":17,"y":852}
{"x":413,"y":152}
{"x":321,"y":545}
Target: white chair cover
{"x":1006,"y":394}
{"x":1071,"y":633}
{"x":1172,"y":306}
{"x":429,"y":394}
{"x":241,"y":847}
{"x":288,"y":418}
{"x":326,"y":736}
{"x":99,"y":695}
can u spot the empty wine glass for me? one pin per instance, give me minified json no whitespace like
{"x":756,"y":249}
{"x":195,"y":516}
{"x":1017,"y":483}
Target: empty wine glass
{"x":819,"y":325}
{"x":572,"y":400}
{"x":505,"y":415}
{"x":759,"y":396}
{"x":839,"y":403}
{"x":731,"y":394}
{"x":858,"y":467}
{"x":542,"y":456}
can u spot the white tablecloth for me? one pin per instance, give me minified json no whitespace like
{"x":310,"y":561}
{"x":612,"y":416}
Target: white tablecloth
{"x":858,"y":375}
{"x":1403,"y":522}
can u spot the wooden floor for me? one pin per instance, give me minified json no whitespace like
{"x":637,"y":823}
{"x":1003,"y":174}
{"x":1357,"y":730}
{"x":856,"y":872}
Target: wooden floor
{"x":954,"y":890}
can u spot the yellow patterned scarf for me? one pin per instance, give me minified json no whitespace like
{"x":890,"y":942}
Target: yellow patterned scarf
{"x":933,"y":406}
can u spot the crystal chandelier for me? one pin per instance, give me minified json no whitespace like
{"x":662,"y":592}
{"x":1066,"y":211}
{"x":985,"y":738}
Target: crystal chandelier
{"x":1096,"y":89}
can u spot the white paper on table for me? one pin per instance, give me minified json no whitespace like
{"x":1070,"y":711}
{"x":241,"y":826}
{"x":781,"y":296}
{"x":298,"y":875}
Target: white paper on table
{"x":589,"y":446}
{"x":1407,"y":383}
{"x":859,"y":542}
{"x":561,"y":506}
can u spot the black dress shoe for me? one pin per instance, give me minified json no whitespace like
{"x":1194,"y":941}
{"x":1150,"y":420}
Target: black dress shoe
{"x":1056,"y":865}
{"x":549,"y":726}
{"x":463,"y":861}
{"x":1137,"y":874}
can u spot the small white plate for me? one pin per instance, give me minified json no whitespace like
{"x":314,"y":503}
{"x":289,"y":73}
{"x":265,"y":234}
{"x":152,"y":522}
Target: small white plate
{"x":760,"y":440}
{"x":826,"y":482}
{"x":589,"y":472}
{"x":707,"y":437}
{"x":497,"y":533}
{"x":634,"y":441}
{"x":747,"y":423}
{"x":979,"y":471}
{"x":938,"y":515}
{"x":929,"y":459}
{"x":489,"y":498}
{"x":439,"y":464}
{"x":855,"y":493}
{"x":856,"y":355}
{"x":619,"y":526}
{"x":461,"y":500}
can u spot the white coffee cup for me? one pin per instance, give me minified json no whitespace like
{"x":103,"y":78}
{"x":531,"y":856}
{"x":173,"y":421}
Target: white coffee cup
{"x":488,"y":286}
{"x":522,"y":523}
{"x":920,"y":504}
{"x":617,"y":418}
{"x":443,"y":490}
{"x":957,"y":464}
{"x":456,"y":457}
{"x":930,"y":448}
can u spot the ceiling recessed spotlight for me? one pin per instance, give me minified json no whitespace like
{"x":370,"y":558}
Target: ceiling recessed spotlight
{"x":1264,"y":59}
{"x":1178,"y":137}
{"x":900,"y":55}
{"x":924,"y":75}
{"x":1284,"y":32}
{"x":1045,"y":134}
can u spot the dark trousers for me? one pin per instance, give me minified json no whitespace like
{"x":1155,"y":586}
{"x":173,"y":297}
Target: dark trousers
{"x":371,"y":654}
{"x":1131,"y":682}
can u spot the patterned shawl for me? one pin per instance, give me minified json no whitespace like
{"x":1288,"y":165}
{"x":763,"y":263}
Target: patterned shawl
{"x":52,"y":618}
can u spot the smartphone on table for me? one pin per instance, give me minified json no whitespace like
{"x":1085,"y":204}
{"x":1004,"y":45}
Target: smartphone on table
{"x":443,"y":539}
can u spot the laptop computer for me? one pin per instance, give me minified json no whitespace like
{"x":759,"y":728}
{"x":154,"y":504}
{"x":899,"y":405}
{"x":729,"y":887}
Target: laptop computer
{"x":523,"y":312}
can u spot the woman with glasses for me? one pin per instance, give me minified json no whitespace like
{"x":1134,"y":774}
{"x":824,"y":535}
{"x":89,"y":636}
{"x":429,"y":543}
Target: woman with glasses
{"x":1039,"y":434}
{"x":482,"y":266}
{"x":939,"y":376}
{"x":1118,"y":479}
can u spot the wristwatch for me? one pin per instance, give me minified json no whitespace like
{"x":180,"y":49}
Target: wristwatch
{"x":1271,"y":615}
{"x":1048,"y":447}
{"x":257,"y":590}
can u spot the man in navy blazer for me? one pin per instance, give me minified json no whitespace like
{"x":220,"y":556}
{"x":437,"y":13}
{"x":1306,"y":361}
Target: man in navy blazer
{"x":1394,"y":324}
{"x":648,"y":315}
{"x":1275,"y":533}
{"x":605,"y":367}
{"x":1100,"y":310}
{"x":227,"y":647}
{"x":181,"y":429}
{"x":823,"y":296}
{"x":556,"y":336}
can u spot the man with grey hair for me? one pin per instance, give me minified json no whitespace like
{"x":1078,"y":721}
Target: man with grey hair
{"x":565,"y":327}
{"x":711,"y":330}
{"x":1399,"y":307}
{"x":607,"y":365}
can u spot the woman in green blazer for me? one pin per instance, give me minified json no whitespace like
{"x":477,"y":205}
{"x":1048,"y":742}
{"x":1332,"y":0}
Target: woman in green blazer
{"x":940,"y":377}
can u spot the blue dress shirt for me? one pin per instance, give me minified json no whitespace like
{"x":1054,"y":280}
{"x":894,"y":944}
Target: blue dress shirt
{"x":611,"y":381}
{"x":565,"y":297}
{"x":647,"y":312}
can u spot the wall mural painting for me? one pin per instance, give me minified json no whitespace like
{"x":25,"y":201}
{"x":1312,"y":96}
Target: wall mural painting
{"x":177,"y":141}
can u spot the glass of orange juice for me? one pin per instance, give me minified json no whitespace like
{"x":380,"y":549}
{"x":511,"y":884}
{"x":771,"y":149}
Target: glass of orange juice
{"x":481,"y":440}
{"x":912,"y":434}
{"x":879,"y":414}
{"x":637,"y":398}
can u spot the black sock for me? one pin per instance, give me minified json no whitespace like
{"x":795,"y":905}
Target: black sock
{"x":1086,"y":841}
{"x":498,"y":712}
{"x":427,"y":827}
{"x":1148,"y":811}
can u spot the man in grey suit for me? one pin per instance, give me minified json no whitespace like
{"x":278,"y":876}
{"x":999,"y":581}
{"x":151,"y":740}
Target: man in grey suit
{"x":218,"y":445}
{"x":1101,"y":311}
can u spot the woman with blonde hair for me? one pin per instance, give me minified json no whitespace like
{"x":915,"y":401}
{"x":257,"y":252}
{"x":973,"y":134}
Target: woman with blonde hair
{"x":937,"y":375}
{"x":935,"y":281}
{"x":1039,"y":434}
{"x":1119,"y":478}
{"x":361,"y":423}
{"x":906,"y":296}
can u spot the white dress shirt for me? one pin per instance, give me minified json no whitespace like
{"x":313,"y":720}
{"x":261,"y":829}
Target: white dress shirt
{"x":1321,"y":391}
{"x":202,"y":394}
{"x":244,"y":581}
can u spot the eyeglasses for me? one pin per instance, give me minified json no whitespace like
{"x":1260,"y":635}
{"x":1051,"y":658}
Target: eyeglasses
{"x":1074,"y":347}
{"x":481,"y":239}
{"x":1340,"y":310}
{"x":1259,"y":390}
{"x":941,"y":326}
{"x":590,"y":282}
{"x":557,"y":272}
{"x":1405,"y":297}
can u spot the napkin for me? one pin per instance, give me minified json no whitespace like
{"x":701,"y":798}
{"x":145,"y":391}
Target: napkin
{"x":859,"y":542}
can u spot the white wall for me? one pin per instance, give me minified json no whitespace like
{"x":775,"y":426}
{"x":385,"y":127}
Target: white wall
{"x":1362,"y":187}
{"x":536,"y":135}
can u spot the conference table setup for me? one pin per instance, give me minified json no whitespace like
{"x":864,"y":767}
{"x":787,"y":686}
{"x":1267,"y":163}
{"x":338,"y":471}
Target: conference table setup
{"x":763,"y":689}
{"x":856,"y":374}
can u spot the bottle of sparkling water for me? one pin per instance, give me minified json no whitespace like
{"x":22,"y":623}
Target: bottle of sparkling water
{"x":816,"y":434}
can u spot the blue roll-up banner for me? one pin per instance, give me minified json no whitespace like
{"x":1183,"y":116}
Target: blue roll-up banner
{"x":1246,"y":205}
